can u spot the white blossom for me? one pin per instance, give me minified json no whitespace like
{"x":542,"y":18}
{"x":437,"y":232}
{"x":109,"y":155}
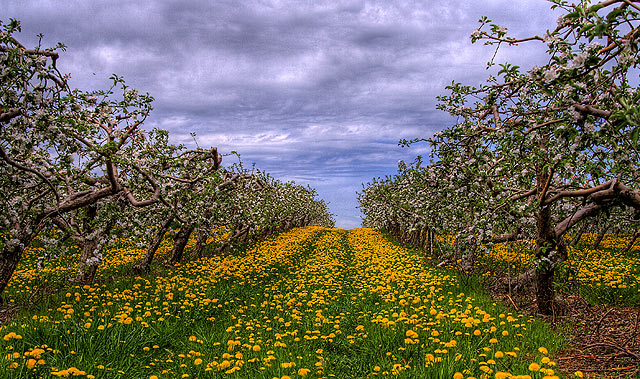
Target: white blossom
{"x":551,"y":74}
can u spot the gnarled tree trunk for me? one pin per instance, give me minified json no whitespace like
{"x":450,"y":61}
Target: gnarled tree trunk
{"x":88,"y":264}
{"x":201,"y":242}
{"x":90,"y":257}
{"x":545,"y":242}
{"x":179,"y":243}
{"x":153,"y":246}
{"x":11,"y":255}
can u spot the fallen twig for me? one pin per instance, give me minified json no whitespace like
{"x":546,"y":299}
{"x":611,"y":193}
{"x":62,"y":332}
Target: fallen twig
{"x":625,"y":351}
{"x":512,"y":302}
{"x":597,"y":328}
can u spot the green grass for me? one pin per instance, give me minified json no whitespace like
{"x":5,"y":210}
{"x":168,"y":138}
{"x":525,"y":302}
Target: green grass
{"x":336,"y":303}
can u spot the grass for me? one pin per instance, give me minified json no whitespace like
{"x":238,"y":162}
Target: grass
{"x":312,"y":302}
{"x":606,"y":275}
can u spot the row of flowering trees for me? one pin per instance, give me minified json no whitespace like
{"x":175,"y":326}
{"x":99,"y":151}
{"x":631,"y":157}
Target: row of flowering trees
{"x":83,"y":162}
{"x":534,"y":154}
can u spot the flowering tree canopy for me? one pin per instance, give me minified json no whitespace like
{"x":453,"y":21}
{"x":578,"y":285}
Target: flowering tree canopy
{"x":536,"y":152}
{"x":61,"y":149}
{"x":82,"y":161}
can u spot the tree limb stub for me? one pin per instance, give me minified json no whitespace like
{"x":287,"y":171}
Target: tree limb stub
{"x":588,"y":109}
{"x":8,"y":115}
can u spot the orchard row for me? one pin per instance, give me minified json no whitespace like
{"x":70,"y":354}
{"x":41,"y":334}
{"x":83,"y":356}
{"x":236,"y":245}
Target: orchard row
{"x":537,"y":154}
{"x":82,"y":163}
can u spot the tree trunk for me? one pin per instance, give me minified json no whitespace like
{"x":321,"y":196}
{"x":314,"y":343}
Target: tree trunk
{"x":153,"y":247}
{"x":469,"y":259}
{"x":632,"y":241}
{"x":233,"y":238}
{"x":179,"y":243}
{"x":91,"y":246}
{"x":88,"y":264}
{"x":456,"y":246}
{"x":11,"y":255}
{"x":201,"y":242}
{"x":545,"y":241}
{"x":596,"y":244}
{"x":244,"y":235}
{"x":221,"y":250}
{"x":576,"y":239}
{"x":544,"y":290}
{"x":545,"y":244}
{"x":563,"y":253}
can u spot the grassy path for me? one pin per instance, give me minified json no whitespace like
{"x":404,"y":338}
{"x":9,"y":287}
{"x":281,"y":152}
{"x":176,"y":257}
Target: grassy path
{"x":310,"y":303}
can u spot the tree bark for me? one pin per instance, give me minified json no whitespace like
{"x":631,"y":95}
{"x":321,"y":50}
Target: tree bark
{"x":153,"y":246}
{"x":545,"y":293}
{"x":201,"y":242}
{"x":596,"y":244}
{"x":545,"y":244}
{"x":90,"y":245}
{"x":563,"y":253}
{"x":545,"y":241}
{"x":86,"y":267}
{"x":179,"y":243}
{"x":11,"y":255}
{"x":233,"y":238}
{"x":632,"y":241}
{"x":469,"y":259}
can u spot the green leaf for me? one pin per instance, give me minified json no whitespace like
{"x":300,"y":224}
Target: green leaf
{"x":571,"y":15}
{"x":613,"y":14}
{"x":585,"y":28}
{"x":595,"y":8}
{"x":634,"y":134}
{"x":600,"y":29}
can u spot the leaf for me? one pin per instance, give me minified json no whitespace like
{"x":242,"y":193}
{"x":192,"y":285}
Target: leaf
{"x":571,"y":15}
{"x":595,"y":8}
{"x":600,"y":29}
{"x":613,"y":14}
{"x":634,"y":134}
{"x":585,"y":28}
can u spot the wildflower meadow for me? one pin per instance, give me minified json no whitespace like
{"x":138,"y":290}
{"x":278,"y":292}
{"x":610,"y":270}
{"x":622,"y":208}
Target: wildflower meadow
{"x":313,"y":302}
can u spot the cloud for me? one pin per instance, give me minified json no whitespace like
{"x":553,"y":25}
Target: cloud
{"x":319,"y":91}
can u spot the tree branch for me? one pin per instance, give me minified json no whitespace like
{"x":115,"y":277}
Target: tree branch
{"x":79,"y":202}
{"x":53,"y":55}
{"x":588,"y":109}
{"x":538,"y":126}
{"x":579,"y":193}
{"x":504,"y":237}
{"x":581,"y":214}
{"x":11,"y":113}
{"x":4,"y":156}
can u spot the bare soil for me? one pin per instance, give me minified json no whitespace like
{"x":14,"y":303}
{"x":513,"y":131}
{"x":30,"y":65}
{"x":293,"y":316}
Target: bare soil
{"x":603,"y":340}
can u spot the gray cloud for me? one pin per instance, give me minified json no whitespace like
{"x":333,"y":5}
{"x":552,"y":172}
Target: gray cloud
{"x":319,"y":92}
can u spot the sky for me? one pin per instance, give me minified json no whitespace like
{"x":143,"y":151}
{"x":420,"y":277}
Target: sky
{"x":319,"y":92}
